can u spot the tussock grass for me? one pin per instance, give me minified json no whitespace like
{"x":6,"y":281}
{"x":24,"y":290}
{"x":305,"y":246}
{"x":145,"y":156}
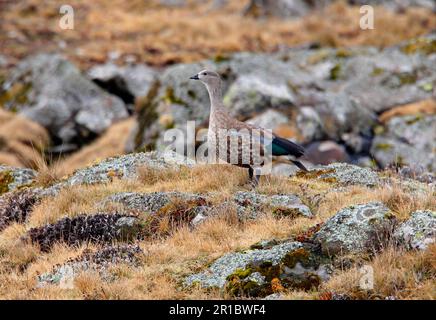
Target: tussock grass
{"x":182,"y":250}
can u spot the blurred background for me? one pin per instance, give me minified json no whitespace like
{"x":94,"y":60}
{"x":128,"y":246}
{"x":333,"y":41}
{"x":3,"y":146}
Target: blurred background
{"x":305,"y":68}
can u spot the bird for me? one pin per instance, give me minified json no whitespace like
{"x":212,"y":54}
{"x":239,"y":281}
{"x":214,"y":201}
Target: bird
{"x":251,"y":141}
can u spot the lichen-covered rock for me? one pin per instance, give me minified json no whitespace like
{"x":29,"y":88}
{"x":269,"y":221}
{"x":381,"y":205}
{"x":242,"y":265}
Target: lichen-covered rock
{"x":151,"y":203}
{"x":97,"y":228}
{"x":356,"y":229}
{"x":14,"y":178}
{"x":258,"y":272}
{"x":126,"y":167}
{"x":251,"y":203}
{"x":16,"y":206}
{"x":99,"y":261}
{"x":344,"y":174}
{"x":419,"y":231}
{"x":52,"y":92}
{"x":407,"y":140}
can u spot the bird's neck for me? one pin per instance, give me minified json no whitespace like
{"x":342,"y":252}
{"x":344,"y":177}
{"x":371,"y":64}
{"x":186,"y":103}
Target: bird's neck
{"x":216,"y":99}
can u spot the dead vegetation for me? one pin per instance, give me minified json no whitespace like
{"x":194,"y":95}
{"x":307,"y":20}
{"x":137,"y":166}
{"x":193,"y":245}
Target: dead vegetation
{"x":159,"y":35}
{"x":183,"y":250}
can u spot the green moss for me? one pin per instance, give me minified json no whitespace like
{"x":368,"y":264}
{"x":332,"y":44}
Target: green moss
{"x":343,"y":53}
{"x":171,"y":98}
{"x":421,"y":45}
{"x":5,"y":179}
{"x":379,"y":129}
{"x":318,"y":174}
{"x":383,"y":146}
{"x":335,"y":72}
{"x":415,"y":119}
{"x":407,"y":78}
{"x":221,"y":58}
{"x":16,"y":95}
{"x":427,"y":87}
{"x":240,"y":273}
{"x":377,"y":71}
{"x":299,"y":255}
{"x":147,"y":115}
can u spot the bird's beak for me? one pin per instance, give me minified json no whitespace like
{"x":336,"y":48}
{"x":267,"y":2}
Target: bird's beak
{"x":195,"y":77}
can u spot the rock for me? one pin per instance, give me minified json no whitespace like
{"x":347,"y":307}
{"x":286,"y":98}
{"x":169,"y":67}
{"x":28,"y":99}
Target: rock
{"x":309,"y":124}
{"x":279,"y":8}
{"x":326,"y":152}
{"x":397,"y":5}
{"x":98,"y":261}
{"x":343,"y":173}
{"x":417,"y":173}
{"x":51,"y":91}
{"x":97,"y":228}
{"x":270,"y":119}
{"x":151,"y":203}
{"x":251,"y":203}
{"x":407,"y":141}
{"x":14,"y":178}
{"x":256,"y":272}
{"x":250,"y":94}
{"x":127,"y":82}
{"x":356,"y":229}
{"x":419,"y":231}
{"x":125,"y":167}
{"x":15,"y":206}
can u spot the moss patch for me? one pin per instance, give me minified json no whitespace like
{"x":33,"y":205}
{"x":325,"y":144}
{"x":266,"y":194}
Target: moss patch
{"x":6,"y":178}
{"x":422,"y":45}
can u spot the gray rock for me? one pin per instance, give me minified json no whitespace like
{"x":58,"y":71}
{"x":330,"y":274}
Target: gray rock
{"x":251,"y":203}
{"x":356,"y":229}
{"x":269,"y":119}
{"x":407,"y":140}
{"x":250,"y":94}
{"x":309,"y":124}
{"x":280,"y":8}
{"x":135,"y":80}
{"x":122,"y":167}
{"x":51,"y":91}
{"x":419,"y":231}
{"x":345,"y":174}
{"x":12,"y":178}
{"x":151,"y":202}
{"x":250,"y":272}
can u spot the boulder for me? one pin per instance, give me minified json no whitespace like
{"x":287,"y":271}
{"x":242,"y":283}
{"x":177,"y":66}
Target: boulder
{"x":51,"y":91}
{"x":127,"y":82}
{"x":407,"y":140}
{"x":326,"y":152}
{"x":125,"y":167}
{"x":356,"y":229}
{"x":258,"y":272}
{"x":419,"y":231}
{"x":344,"y":174}
{"x":251,"y":203}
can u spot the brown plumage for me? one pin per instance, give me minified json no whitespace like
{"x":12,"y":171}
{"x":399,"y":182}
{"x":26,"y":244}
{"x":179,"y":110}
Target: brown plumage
{"x":241,"y":144}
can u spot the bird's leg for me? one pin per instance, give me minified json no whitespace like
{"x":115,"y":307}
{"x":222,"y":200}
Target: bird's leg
{"x":254,"y":179}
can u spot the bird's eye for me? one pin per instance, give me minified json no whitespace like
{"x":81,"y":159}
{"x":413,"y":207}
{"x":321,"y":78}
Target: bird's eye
{"x":204,"y":73}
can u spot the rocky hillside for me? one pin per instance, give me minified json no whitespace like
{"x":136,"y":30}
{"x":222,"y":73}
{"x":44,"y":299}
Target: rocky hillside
{"x":93,"y":207}
{"x":143,"y":226}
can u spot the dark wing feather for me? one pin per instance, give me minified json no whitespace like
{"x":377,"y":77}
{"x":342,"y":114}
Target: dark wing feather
{"x":282,"y":147}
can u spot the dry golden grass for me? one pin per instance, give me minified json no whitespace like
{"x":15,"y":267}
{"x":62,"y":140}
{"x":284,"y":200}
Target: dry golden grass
{"x":182,"y":251}
{"x":404,"y":275}
{"x":22,"y":141}
{"x":161,"y":35}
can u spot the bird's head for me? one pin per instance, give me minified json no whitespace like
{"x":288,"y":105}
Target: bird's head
{"x":209,"y":78}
